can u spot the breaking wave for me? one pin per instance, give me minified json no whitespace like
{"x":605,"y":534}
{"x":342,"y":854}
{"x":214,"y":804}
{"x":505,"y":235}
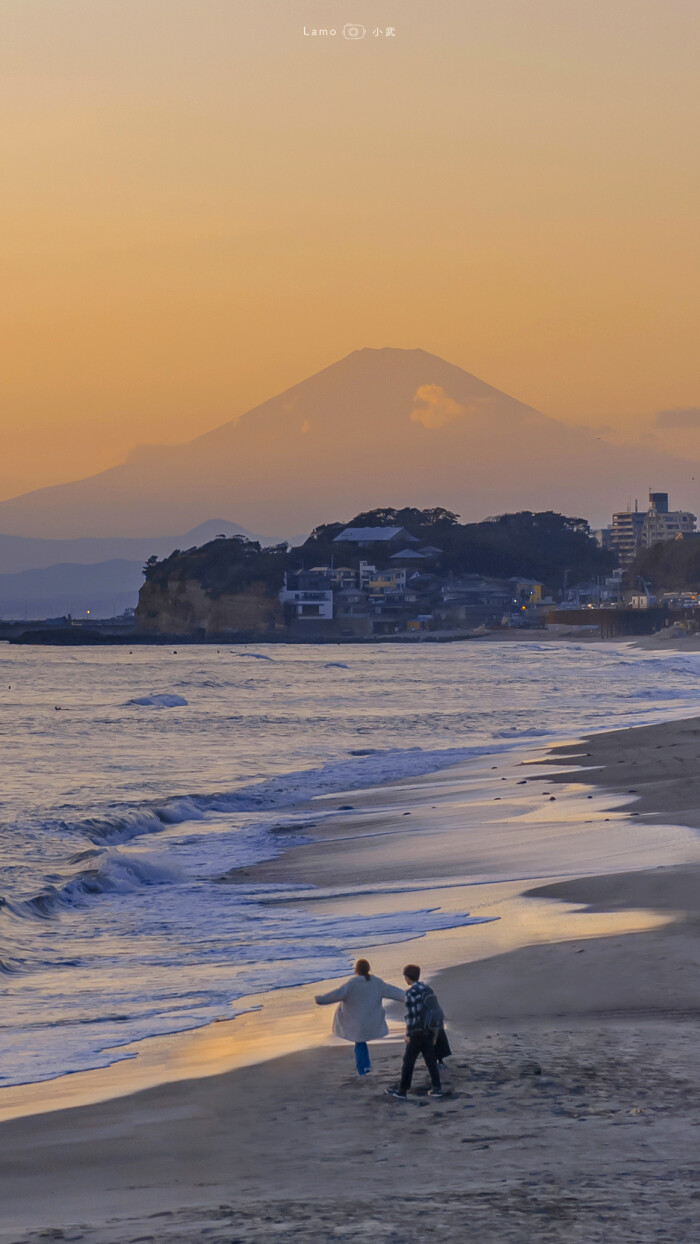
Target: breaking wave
{"x":370,"y":768}
{"x":111,"y":873}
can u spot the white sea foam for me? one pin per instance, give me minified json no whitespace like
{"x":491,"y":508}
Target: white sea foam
{"x":369,"y":769}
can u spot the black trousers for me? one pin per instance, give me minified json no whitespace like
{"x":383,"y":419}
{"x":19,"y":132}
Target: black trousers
{"x":419,"y":1043}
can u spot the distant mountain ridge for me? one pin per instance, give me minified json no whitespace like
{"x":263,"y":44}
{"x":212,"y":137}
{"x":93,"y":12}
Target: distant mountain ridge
{"x":19,"y":553}
{"x":379,"y":427}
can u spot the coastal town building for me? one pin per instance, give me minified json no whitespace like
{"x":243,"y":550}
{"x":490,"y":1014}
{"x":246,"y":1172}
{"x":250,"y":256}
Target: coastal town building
{"x":411,"y":557}
{"x":343,"y":576}
{"x":626,"y":535}
{"x":366,"y":573}
{"x":387,"y":582}
{"x":632,"y":530}
{"x":307,"y":596}
{"x":526,"y":591}
{"x":664,"y":524}
{"x":474,"y":591}
{"x":305,"y":604}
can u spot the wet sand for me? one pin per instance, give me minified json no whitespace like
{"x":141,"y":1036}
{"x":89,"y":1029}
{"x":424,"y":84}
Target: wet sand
{"x":575,"y":1091}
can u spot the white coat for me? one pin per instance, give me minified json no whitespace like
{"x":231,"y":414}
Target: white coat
{"x":360,"y":1015}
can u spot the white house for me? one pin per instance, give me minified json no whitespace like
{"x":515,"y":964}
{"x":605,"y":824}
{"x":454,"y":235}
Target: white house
{"x":308,"y":602}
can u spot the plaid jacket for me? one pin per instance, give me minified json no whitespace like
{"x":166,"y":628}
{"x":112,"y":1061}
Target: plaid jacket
{"x":415,"y":1007}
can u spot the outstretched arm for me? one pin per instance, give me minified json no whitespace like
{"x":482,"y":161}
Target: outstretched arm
{"x":335,"y":995}
{"x":393,"y":992}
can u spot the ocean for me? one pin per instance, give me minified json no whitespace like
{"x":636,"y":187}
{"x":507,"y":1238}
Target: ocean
{"x":132,"y":781}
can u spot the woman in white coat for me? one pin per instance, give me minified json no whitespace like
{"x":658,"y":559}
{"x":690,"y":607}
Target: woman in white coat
{"x":360,"y":1015}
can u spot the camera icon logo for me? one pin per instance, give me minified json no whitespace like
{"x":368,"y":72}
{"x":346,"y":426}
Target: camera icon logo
{"x":352,"y":31}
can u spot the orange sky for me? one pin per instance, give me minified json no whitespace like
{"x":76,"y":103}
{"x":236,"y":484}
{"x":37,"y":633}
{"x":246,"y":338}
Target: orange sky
{"x":201,"y":207}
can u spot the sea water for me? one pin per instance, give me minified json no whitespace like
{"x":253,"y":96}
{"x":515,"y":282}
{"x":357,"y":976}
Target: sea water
{"x":133,"y":781}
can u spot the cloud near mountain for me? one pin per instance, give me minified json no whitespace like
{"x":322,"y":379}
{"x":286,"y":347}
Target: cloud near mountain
{"x":379,"y":427}
{"x":436,"y":407}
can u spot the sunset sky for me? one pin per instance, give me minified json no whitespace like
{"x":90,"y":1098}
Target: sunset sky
{"x":201,"y":206}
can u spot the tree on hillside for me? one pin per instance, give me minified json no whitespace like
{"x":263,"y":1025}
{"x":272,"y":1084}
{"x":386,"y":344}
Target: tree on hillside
{"x":223,"y":566}
{"x":545,"y":546}
{"x":418,"y":522}
{"x":671,"y":566}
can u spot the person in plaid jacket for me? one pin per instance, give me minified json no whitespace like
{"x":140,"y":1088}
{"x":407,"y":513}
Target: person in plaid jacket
{"x":419,"y":1039}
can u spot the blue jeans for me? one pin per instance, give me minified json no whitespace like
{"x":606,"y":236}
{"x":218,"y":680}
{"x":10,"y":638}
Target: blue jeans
{"x":362,"y":1058}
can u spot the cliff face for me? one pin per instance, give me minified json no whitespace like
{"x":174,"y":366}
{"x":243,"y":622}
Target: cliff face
{"x":184,"y":607}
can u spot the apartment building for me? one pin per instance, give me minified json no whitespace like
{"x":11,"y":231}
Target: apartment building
{"x":632,"y":530}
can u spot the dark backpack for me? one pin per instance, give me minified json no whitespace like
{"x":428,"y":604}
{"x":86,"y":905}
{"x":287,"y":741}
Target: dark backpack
{"x":432,"y":1015}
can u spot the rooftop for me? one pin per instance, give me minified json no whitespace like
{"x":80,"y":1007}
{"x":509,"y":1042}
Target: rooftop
{"x":408,"y":555}
{"x":373,"y":535}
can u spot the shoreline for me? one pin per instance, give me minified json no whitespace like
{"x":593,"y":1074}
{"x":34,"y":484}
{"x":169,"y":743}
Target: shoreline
{"x":668,"y":639}
{"x":654,"y":767}
{"x":86,"y":637}
{"x":559,"y":980}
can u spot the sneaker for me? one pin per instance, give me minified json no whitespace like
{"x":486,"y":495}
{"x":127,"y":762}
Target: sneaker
{"x":396,"y":1093}
{"x":436,"y":1093}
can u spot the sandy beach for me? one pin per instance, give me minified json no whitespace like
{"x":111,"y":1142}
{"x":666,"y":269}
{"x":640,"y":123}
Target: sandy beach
{"x":574,"y":1093}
